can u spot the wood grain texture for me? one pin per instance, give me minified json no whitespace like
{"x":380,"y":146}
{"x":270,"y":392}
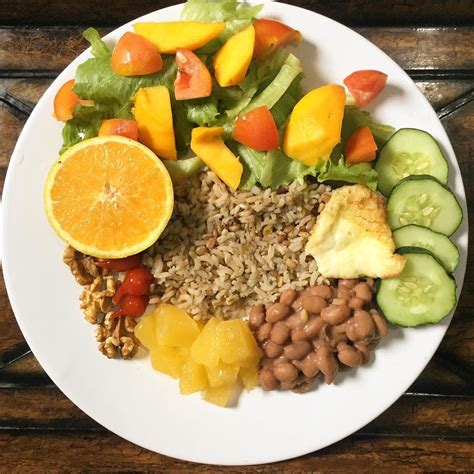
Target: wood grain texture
{"x":351,"y":12}
{"x":51,"y":49}
{"x":26,"y":451}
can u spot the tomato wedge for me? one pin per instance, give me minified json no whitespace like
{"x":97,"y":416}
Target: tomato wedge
{"x":360,"y":147}
{"x":123,"y":127}
{"x":257,"y":129}
{"x":272,"y":34}
{"x":194,"y":79}
{"x":365,"y":85}
{"x":65,"y":101}
{"x":134,"y":55}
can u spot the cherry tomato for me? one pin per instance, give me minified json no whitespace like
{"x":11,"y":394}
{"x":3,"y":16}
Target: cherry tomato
{"x":133,"y":306}
{"x":193,"y":80}
{"x":270,"y":35}
{"x":134,"y":55}
{"x":123,"y":127}
{"x":366,"y":85}
{"x":257,"y":129}
{"x":65,"y":101}
{"x":120,"y":264}
{"x":136,"y":282}
{"x":360,"y":147}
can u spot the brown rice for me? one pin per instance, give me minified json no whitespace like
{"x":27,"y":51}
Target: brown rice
{"x":223,"y":251}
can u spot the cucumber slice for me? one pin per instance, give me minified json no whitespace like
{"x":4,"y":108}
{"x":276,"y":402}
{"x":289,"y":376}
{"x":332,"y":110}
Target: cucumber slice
{"x":424,"y":293}
{"x":438,"y":244}
{"x":410,"y":152}
{"x":424,"y":201}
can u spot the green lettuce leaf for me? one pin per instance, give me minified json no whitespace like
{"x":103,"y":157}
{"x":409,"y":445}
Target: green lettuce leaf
{"x":253,"y":162}
{"x":338,"y":170}
{"x":282,"y":109}
{"x":180,"y":169}
{"x":98,"y":48}
{"x":182,"y":127}
{"x":203,"y":112}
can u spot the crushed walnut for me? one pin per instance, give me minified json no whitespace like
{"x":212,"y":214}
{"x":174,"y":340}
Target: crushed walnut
{"x":116,"y":336}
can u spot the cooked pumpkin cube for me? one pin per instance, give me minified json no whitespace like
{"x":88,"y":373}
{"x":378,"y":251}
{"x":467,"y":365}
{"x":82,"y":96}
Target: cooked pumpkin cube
{"x":219,"y":396}
{"x":167,"y":360}
{"x":175,"y":327}
{"x":223,"y":374}
{"x":204,"y":349}
{"x":236,"y":342}
{"x":193,"y":378}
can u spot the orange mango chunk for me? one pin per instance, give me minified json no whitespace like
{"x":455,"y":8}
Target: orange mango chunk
{"x":169,"y":36}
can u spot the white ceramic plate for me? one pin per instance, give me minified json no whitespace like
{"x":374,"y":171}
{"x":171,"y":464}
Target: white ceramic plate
{"x":128,"y":397}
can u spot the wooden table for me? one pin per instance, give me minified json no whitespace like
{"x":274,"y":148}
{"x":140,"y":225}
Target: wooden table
{"x":431,"y":427}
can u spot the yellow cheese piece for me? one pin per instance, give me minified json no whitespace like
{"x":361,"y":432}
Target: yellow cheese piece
{"x":352,"y":238}
{"x":153,"y":114}
{"x":169,"y":36}
{"x":208,"y":145}
{"x":314,"y":128}
{"x":232,"y":61}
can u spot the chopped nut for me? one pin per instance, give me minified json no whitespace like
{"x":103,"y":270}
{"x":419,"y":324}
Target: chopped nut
{"x":100,"y":333}
{"x":130,"y":324}
{"x":127,"y":346}
{"x":80,"y":266}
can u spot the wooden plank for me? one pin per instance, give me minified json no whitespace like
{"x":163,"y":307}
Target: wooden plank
{"x":47,"y":408}
{"x":50,"y":49}
{"x":355,"y":12}
{"x":10,"y":125}
{"x":26,"y":451}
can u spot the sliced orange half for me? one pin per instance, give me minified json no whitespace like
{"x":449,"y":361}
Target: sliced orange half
{"x":109,"y":197}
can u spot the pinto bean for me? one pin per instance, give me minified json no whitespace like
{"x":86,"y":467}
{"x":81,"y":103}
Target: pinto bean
{"x":313,"y":327}
{"x":264,"y":332}
{"x":297,"y":320}
{"x":380,"y":323}
{"x":362,"y":290}
{"x":298,"y":335}
{"x":335,"y":314}
{"x":280,"y":333}
{"x":349,"y":355}
{"x":285,"y":372}
{"x":277,"y":312}
{"x":347,"y":283}
{"x":327,"y":364}
{"x":313,"y":304}
{"x":297,"y":350}
{"x":267,"y":379}
{"x":288,"y":297}
{"x":344,"y":293}
{"x":324,"y":291}
{"x":297,"y":304}
{"x":273,"y":350}
{"x":356,"y":303}
{"x":305,"y":386}
{"x":256,"y":316}
{"x":310,"y":365}
{"x":360,"y":326}
{"x":364,"y":350}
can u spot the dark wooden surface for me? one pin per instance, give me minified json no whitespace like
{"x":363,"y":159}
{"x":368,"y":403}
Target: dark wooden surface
{"x":431,"y":427}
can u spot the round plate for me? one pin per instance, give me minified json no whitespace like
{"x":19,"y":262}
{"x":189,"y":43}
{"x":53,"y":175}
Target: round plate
{"x":145,"y":407}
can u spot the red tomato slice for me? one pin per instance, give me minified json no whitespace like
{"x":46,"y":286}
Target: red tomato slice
{"x":124,"y":127}
{"x":134,"y":55}
{"x":193,"y":80}
{"x":65,"y":101}
{"x":257,"y":129}
{"x":270,"y":35}
{"x":366,"y":85}
{"x":360,"y":147}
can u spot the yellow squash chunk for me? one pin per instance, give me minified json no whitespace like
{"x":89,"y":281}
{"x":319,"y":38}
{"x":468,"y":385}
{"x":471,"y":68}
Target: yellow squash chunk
{"x":249,"y":376}
{"x":153,"y":114}
{"x":193,"y":378}
{"x":169,"y":36}
{"x":175,"y":327}
{"x":232,"y":61}
{"x":167,"y":360}
{"x":218,"y":396}
{"x":236,"y":343}
{"x":314,"y":128}
{"x":204,"y":350}
{"x":208,"y":145}
{"x":145,"y":331}
{"x":223,"y":374}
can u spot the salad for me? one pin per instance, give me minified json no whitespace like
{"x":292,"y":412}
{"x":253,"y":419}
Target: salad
{"x":235,"y":225}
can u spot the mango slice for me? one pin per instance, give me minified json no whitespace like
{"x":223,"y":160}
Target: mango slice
{"x":193,"y":378}
{"x":249,"y":376}
{"x":223,"y":374}
{"x":314,"y":128}
{"x":208,"y":145}
{"x":218,"y":396}
{"x":232,"y":61}
{"x":167,"y":360}
{"x":204,"y":349}
{"x":170,"y":36}
{"x":236,"y":343}
{"x":175,"y":328}
{"x":153,"y":114}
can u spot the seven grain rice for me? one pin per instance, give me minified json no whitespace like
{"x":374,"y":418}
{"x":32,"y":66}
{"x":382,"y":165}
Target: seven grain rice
{"x":223,"y":251}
